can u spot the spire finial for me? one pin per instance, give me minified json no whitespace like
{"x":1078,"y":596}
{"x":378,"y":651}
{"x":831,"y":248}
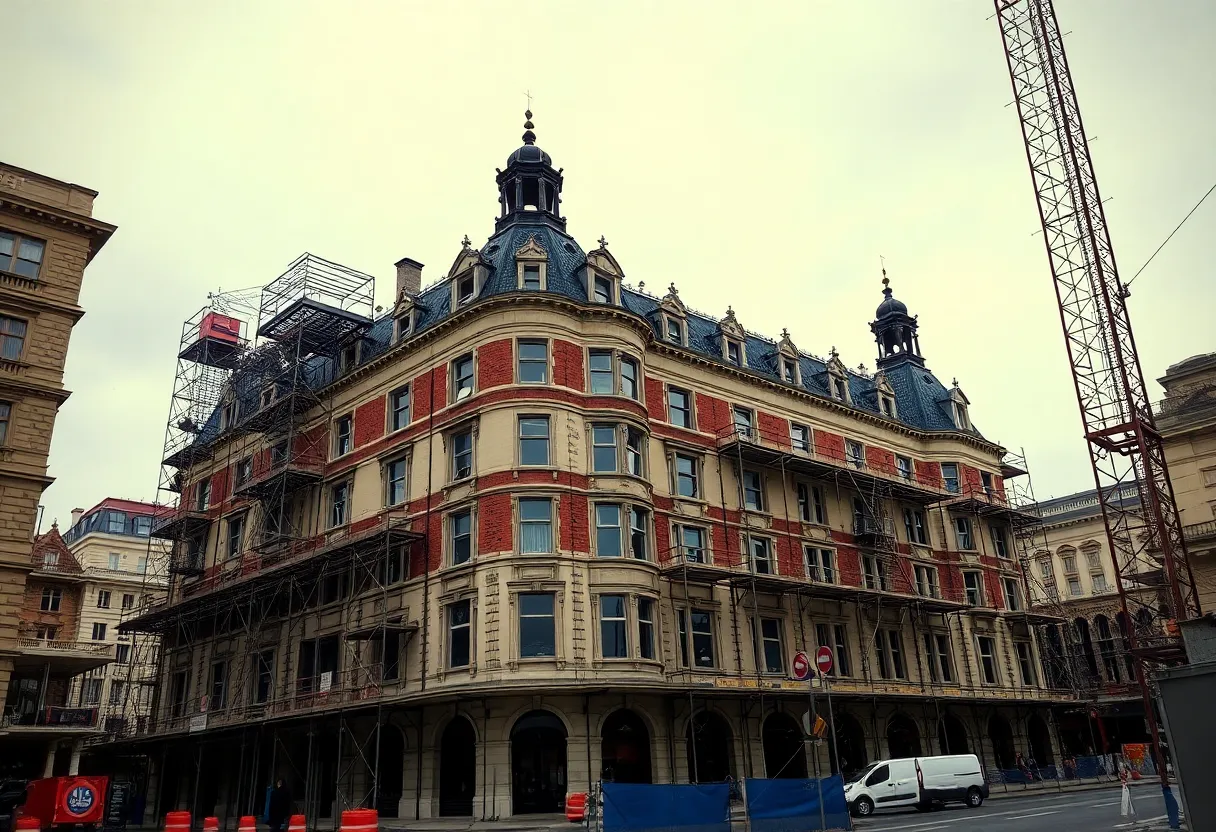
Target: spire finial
{"x":529,"y":136}
{"x":603,"y":243}
{"x":886,"y":284}
{"x":466,"y":242}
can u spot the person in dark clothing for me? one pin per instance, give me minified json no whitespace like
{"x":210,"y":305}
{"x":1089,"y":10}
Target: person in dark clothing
{"x":280,"y":807}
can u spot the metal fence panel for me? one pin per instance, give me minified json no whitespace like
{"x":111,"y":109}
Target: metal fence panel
{"x":793,"y":805}
{"x":632,"y":807}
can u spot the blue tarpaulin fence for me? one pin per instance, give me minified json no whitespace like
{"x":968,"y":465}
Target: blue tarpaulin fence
{"x":675,"y":808}
{"x":793,"y":805}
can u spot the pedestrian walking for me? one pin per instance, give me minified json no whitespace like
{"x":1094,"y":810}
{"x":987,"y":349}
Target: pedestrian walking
{"x":280,"y":806}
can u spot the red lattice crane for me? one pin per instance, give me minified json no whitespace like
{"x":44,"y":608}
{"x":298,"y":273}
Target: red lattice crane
{"x":1156,"y":586}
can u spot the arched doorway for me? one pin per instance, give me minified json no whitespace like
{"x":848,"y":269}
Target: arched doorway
{"x":710,"y":748}
{"x":626,"y":749}
{"x":390,"y":768}
{"x":1001,"y":735}
{"x":1125,"y":636}
{"x":538,"y":763}
{"x":952,"y":735}
{"x":1040,"y":740}
{"x":850,"y":744}
{"x":1081,"y":626}
{"x":903,"y":740}
{"x":1106,"y":647}
{"x":457,"y":768}
{"x":1054,"y":659}
{"x":784,"y":747}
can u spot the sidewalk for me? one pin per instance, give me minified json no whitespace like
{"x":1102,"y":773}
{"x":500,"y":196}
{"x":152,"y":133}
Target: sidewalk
{"x":520,"y":824}
{"x":1063,"y":787}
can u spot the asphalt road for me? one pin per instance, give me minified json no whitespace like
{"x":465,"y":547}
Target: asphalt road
{"x":1086,"y":811}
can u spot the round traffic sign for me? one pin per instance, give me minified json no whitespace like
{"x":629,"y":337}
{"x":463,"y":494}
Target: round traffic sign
{"x":823,"y":660}
{"x":801,"y":666}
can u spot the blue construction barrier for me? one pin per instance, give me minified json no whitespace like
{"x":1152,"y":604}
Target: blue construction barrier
{"x":793,"y":805}
{"x":630,"y":807}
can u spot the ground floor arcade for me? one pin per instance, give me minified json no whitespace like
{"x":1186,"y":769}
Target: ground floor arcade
{"x":503,"y":755}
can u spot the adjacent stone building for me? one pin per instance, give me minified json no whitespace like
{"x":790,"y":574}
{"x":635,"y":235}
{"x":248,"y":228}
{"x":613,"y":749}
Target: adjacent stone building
{"x":1186,"y":418}
{"x":534,"y":528}
{"x":41,"y":733}
{"x":47,"y":238}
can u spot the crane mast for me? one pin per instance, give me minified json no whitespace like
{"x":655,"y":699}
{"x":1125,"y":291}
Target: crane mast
{"x":1154,"y":579}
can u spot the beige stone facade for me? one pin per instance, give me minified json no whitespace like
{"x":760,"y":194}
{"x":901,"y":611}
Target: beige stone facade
{"x":544,"y":529}
{"x":47,"y":237}
{"x":123,"y":571}
{"x":1187,"y":421}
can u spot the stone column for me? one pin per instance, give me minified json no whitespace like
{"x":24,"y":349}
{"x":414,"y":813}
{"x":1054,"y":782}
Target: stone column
{"x":74,"y":765}
{"x":48,"y":768}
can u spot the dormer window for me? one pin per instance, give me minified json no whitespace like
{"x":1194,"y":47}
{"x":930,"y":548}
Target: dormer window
{"x":734,"y":353}
{"x":602,"y":289}
{"x":838,"y":378}
{"x":531,"y":277}
{"x":349,"y":357}
{"x":960,"y":416}
{"x":840,"y":389}
{"x":789,"y":370}
{"x":958,"y":408}
{"x":466,"y":289}
{"x":674,"y":330}
{"x":887,"y":404}
{"x":228,"y":414}
{"x":405,"y":324}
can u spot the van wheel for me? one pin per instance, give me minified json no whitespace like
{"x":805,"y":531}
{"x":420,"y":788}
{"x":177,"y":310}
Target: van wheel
{"x":974,"y":798}
{"x":863,"y":807}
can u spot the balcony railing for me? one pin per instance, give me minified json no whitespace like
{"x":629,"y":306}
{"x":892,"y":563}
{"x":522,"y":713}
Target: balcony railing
{"x":53,"y":715}
{"x":1199,"y":531}
{"x":768,"y":447}
{"x":93,"y":648}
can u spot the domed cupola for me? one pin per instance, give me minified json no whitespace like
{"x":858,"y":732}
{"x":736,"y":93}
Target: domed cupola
{"x":895,"y":330}
{"x":529,"y":190}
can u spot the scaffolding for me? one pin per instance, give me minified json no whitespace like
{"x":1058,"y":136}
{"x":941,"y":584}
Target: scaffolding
{"x":891,"y":584}
{"x":260,"y":413}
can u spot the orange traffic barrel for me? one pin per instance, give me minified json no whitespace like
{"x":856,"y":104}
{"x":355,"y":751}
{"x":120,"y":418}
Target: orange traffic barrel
{"x":211,"y":825}
{"x":248,"y":824}
{"x":177,"y":822}
{"x":296,"y":824}
{"x":28,"y":822}
{"x":576,"y":806}
{"x":360,"y":820}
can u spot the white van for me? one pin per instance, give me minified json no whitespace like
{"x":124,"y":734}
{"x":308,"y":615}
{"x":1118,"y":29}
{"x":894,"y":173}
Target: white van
{"x":916,"y":781}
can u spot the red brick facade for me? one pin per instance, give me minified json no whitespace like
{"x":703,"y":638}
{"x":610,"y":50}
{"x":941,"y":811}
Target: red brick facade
{"x":495,"y":364}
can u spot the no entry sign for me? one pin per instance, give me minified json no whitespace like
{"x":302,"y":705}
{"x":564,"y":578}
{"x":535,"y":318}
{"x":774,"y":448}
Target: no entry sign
{"x":823,"y":660}
{"x":801,"y":666}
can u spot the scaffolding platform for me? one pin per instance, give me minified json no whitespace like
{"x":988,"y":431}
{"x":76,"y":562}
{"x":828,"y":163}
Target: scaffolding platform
{"x":283,"y":478}
{"x":178,"y":523}
{"x":280,"y":411}
{"x":317,"y":304}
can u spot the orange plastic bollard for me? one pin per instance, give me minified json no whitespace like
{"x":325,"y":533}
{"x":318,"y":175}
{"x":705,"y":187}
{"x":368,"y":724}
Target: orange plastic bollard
{"x":211,"y":825}
{"x":360,"y":820}
{"x":248,"y":824}
{"x":576,"y":806}
{"x":296,"y":824}
{"x":177,"y":822}
{"x":28,"y":822}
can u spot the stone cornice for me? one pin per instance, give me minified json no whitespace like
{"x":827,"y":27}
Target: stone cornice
{"x":97,"y":231}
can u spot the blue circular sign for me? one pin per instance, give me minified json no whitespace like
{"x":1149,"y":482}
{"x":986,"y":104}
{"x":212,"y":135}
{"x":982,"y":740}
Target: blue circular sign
{"x":80,"y":799}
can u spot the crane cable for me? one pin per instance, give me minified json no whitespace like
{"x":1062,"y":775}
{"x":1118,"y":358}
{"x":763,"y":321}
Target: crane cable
{"x":1172,"y":233}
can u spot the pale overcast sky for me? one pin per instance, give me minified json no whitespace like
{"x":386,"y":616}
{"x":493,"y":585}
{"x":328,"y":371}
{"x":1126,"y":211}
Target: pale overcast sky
{"x":761,"y":155}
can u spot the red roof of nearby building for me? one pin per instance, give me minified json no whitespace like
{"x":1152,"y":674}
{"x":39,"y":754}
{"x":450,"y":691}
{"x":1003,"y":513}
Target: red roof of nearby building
{"x":52,"y":544}
{"x":130,"y":506}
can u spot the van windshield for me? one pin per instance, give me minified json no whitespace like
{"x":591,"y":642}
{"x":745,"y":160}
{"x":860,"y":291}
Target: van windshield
{"x":853,"y":778}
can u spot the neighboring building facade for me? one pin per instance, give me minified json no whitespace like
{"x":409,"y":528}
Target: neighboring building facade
{"x":41,"y":732}
{"x":1072,"y":575}
{"x":534,"y":529}
{"x":1186,"y":419}
{"x":112,"y":544}
{"x":47,"y":237}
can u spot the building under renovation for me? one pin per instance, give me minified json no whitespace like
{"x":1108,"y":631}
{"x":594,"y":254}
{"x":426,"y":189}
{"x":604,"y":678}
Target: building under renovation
{"x":533,"y":528}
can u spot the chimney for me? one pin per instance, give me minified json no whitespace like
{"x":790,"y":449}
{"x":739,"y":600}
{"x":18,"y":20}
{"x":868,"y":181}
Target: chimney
{"x":409,"y":277}
{"x":76,"y":512}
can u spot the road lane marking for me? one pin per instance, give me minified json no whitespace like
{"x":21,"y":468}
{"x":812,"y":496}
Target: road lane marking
{"x":1037,"y":814}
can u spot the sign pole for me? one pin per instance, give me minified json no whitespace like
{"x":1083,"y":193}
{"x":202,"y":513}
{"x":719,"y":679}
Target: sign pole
{"x":810,"y":689}
{"x":827,"y":687}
